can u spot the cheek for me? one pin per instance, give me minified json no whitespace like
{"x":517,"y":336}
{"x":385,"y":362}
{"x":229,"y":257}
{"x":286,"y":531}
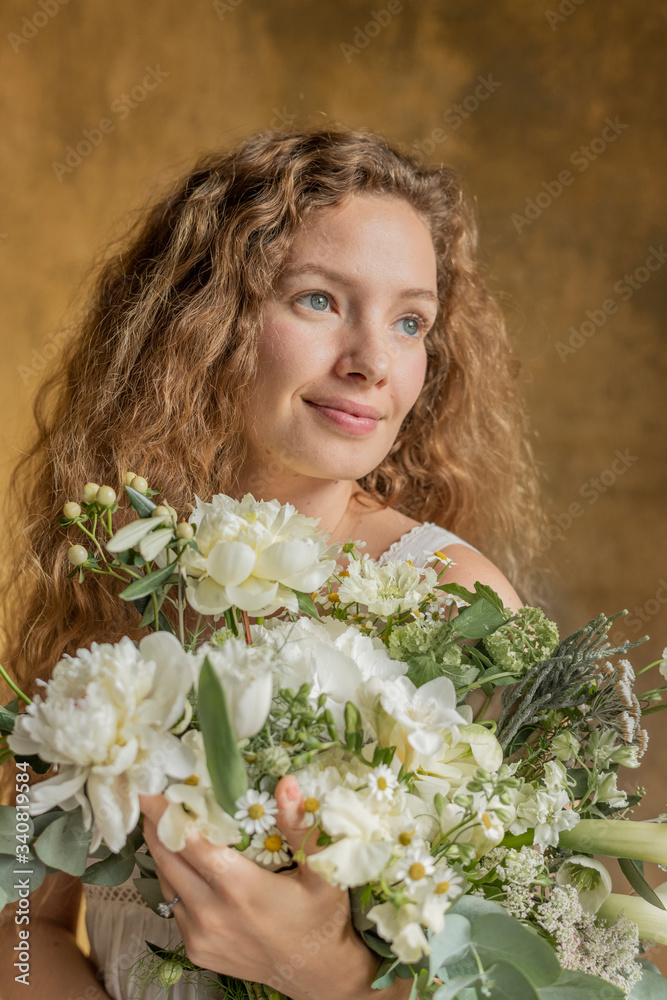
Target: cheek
{"x":288,"y":356}
{"x":413,"y":374}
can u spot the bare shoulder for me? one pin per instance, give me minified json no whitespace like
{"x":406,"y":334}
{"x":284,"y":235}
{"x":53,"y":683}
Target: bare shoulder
{"x":470,"y":566}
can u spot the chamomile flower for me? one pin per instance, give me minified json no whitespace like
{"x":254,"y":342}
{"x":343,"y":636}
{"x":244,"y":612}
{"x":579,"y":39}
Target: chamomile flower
{"x":382,"y":783}
{"x":256,"y":811}
{"x":446,"y":883}
{"x":269,"y":848}
{"x":415,"y":867}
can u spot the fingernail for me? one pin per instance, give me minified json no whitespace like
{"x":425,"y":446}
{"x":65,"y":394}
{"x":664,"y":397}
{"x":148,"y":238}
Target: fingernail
{"x":293,"y":791}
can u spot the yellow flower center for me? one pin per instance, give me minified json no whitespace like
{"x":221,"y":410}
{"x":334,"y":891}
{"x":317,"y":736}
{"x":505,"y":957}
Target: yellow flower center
{"x":344,"y":572}
{"x":416,"y":871}
{"x":255,"y":811}
{"x":405,"y":839}
{"x":334,"y":598}
{"x":382,"y":783}
{"x":273,"y":843}
{"x":441,"y":888}
{"x":251,"y":758}
{"x":487,"y":821}
{"x":311,"y":804}
{"x":192,"y":780}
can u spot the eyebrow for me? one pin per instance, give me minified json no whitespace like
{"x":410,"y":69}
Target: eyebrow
{"x":289,"y":272}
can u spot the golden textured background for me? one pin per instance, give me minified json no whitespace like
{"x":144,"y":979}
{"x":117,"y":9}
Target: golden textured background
{"x":535,"y":82}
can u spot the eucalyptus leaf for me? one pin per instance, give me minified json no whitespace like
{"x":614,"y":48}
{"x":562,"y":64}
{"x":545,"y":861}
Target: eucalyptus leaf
{"x":507,"y":982}
{"x":8,"y":839}
{"x":64,"y":843}
{"x":115,"y":868}
{"x":478,"y":620}
{"x":472,"y":907}
{"x":225,"y":763}
{"x":146,"y":864}
{"x":148,"y":584}
{"x":451,"y":944}
{"x":7,"y":720}
{"x":452,"y":987}
{"x":4,"y":899}
{"x":16,"y":877}
{"x":378,"y":944}
{"x":307,"y":605}
{"x":386,"y":973}
{"x":634,"y":874}
{"x":504,"y":939}
{"x":143,"y":506}
{"x":580,"y":986}
{"x":150,"y":889}
{"x":652,"y":986}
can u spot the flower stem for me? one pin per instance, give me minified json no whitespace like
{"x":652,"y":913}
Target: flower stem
{"x":246,"y":625}
{"x":15,"y":689}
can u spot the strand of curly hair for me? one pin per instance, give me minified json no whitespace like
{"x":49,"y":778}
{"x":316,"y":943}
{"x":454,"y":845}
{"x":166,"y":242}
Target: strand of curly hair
{"x":153,"y":378}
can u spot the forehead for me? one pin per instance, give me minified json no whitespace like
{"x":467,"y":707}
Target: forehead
{"x":368,"y":232}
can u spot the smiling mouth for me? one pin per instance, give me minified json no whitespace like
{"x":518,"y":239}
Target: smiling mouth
{"x":362,"y":422}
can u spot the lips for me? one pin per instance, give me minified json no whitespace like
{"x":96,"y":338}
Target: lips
{"x":346,"y":415}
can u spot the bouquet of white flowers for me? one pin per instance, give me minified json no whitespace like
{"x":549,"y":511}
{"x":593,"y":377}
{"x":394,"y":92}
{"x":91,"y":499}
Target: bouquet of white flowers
{"x":467,"y":843}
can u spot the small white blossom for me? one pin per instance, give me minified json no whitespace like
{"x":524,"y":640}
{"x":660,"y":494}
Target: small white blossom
{"x":382,"y":782}
{"x":256,"y":811}
{"x":268,"y":848}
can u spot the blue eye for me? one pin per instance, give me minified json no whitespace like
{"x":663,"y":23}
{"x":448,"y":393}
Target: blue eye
{"x":416,"y":322}
{"x":318,"y":300}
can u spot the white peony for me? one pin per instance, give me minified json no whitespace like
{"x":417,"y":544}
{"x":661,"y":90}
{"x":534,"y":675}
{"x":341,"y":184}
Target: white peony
{"x":254,"y":555}
{"x":245,"y":673}
{"x":192,"y":805}
{"x":104,"y":721}
{"x":386,"y":589}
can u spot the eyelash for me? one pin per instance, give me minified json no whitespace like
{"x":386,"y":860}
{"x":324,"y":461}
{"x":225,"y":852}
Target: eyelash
{"x":423,"y":322}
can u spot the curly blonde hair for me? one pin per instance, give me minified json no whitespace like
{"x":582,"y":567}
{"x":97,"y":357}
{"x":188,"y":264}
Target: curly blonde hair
{"x":154,"y":377}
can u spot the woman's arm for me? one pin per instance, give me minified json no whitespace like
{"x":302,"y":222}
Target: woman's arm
{"x":58,"y":969}
{"x":472,"y":566}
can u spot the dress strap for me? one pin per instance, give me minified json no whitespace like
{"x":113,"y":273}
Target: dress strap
{"x":421,"y":542}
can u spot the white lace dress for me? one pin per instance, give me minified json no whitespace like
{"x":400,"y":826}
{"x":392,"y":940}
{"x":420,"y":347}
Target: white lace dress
{"x":119,"y":922}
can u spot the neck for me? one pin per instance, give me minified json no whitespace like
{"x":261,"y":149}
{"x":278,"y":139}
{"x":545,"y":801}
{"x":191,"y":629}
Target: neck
{"x":330,"y":500}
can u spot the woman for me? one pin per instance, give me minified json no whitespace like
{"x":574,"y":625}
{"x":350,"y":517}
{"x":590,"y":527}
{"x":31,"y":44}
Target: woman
{"x":301,"y":318}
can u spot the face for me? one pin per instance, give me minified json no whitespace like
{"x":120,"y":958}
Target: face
{"x":342,"y":355}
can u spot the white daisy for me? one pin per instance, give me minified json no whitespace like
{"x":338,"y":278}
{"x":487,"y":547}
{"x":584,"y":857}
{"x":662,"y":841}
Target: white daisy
{"x":256,"y":811}
{"x":382,"y":783}
{"x":415,"y":867}
{"x":269,"y":848}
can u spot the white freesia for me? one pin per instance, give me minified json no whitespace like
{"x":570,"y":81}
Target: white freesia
{"x":386,"y":589}
{"x":254,"y":554}
{"x":104,"y":720}
{"x":401,"y":927}
{"x":192,"y":805}
{"x":589,"y":877}
{"x":422,"y":715}
{"x":331,"y":656}
{"x":459,"y":760}
{"x":245,"y":673}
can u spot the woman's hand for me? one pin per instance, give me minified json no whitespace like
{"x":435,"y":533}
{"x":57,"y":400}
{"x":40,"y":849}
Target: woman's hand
{"x":289,"y":930}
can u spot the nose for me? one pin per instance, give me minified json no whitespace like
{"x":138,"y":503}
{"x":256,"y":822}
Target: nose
{"x":365,"y":352}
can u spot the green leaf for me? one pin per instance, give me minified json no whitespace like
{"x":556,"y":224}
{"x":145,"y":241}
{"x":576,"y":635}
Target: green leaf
{"x":479,"y":620}
{"x":13,"y":874}
{"x":64,"y":843}
{"x":8,"y":839}
{"x":580,"y":986}
{"x":482,"y":591}
{"x":7,"y":719}
{"x":472,"y":907}
{"x":148,"y":583}
{"x":225,"y":763}
{"x":652,"y":986}
{"x":150,"y":889}
{"x":451,"y":944}
{"x":504,"y":939}
{"x":143,"y":506}
{"x":456,"y":590}
{"x":115,"y":868}
{"x":633,"y":873}
{"x":38,"y":765}
{"x":385,"y":975}
{"x":506,"y":982}
{"x":144,"y":606}
{"x":378,"y":945}
{"x":145,"y":864}
{"x":307,"y":605}
{"x":451,"y":988}
{"x":422,"y":669}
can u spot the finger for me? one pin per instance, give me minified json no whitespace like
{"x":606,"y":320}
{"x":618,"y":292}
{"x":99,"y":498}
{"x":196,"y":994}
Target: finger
{"x":292,"y":820}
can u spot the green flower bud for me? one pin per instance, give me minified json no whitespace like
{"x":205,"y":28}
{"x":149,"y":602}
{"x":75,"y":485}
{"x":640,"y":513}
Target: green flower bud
{"x":77,"y":555}
{"x":139,"y":484}
{"x":169,"y":973}
{"x":71,"y":510}
{"x":106,"y":496}
{"x":185,"y":531}
{"x":90,"y":492}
